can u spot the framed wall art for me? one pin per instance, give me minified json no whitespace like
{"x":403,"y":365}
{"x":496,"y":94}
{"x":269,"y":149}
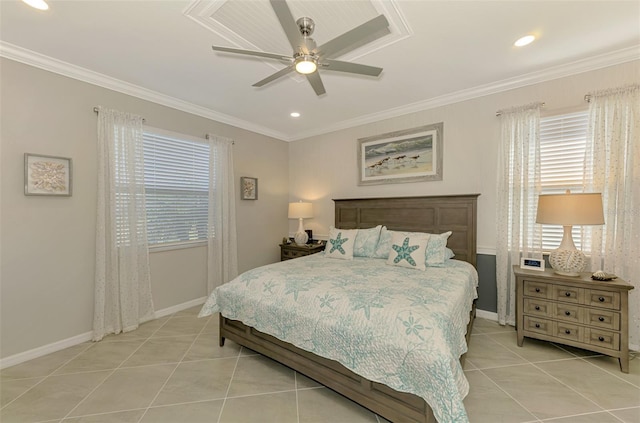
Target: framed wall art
{"x":249,"y":187}
{"x":409,"y":155}
{"x":47,"y":175}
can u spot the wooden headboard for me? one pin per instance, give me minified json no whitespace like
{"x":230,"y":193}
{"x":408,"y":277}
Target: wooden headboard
{"x":437,"y":214}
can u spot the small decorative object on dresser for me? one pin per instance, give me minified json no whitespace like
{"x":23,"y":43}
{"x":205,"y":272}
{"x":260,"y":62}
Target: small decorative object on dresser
{"x":576,"y":311}
{"x":291,"y":251}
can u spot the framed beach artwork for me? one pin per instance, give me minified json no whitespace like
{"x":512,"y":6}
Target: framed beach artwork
{"x":409,"y":155}
{"x":47,"y":175}
{"x":249,"y":188}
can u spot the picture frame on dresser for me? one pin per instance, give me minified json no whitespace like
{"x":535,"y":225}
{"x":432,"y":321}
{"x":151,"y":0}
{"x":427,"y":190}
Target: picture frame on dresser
{"x":574,"y":310}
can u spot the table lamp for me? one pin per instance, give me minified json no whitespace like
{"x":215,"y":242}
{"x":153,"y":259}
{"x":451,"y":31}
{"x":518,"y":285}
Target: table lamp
{"x":568,"y":210}
{"x":300,"y":211}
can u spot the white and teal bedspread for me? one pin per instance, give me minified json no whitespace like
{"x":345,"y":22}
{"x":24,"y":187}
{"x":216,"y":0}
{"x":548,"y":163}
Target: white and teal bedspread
{"x":401,"y":327}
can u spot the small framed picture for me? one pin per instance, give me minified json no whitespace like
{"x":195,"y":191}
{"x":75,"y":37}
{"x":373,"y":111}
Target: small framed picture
{"x":249,"y":188}
{"x":532,"y":264}
{"x":47,"y":175}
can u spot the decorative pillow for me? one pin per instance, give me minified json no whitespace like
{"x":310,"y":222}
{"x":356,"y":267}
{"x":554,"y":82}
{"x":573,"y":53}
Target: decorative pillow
{"x":384,"y":244}
{"x":408,"y":250}
{"x":340,"y":243}
{"x":448,"y":253}
{"x":366,"y":242}
{"x":436,"y":249}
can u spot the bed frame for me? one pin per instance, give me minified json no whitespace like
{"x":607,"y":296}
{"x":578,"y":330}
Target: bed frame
{"x":456,"y":213}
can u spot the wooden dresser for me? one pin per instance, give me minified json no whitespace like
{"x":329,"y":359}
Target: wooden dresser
{"x":576,"y":311}
{"x":291,"y":251}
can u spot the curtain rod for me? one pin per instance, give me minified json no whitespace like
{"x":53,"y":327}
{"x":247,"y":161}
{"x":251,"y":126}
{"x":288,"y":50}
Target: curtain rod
{"x":97,"y":110}
{"x":587,"y":98}
{"x":499,"y":112}
{"x":209,"y":137}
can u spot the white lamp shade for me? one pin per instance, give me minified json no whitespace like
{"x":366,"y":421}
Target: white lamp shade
{"x":300,"y":210}
{"x":570,"y":209}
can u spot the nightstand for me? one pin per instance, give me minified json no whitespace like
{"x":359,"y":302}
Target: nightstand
{"x":576,"y":311}
{"x":291,"y":251}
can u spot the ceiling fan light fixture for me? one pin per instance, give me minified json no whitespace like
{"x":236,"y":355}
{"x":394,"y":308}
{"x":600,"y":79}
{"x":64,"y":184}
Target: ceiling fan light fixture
{"x":306,"y":64}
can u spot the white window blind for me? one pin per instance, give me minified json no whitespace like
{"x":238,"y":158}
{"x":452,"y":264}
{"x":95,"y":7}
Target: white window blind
{"x":563,"y":140}
{"x":176,"y":173}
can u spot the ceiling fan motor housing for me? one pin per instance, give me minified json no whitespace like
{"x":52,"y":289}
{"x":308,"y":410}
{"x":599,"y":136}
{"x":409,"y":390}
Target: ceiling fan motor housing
{"x":306,"y":26}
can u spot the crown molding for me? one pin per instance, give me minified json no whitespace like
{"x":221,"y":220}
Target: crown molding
{"x":41,"y":61}
{"x":50,"y":64}
{"x":580,"y":66}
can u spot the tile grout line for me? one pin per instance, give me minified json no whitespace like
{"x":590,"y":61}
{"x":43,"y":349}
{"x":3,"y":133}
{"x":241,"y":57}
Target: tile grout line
{"x":175,"y":368}
{"x":112,"y":372}
{"x":609,"y":372}
{"x":226,"y":394}
{"x":48,"y":375}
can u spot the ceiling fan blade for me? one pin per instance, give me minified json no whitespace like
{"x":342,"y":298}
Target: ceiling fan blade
{"x":275,"y":76}
{"x":340,"y":66}
{"x":253,"y":53}
{"x":358,"y":36}
{"x":316,"y":83}
{"x":289,"y":25}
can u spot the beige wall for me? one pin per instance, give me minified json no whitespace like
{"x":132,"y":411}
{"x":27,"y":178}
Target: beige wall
{"x":471,"y":137}
{"x":47,"y":244}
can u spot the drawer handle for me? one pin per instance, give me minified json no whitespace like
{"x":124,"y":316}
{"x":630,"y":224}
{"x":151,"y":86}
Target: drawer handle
{"x":537,"y":308}
{"x":537,"y":289}
{"x":567,"y":294}
{"x":568,"y":313}
{"x":538,"y":325}
{"x":601,"y":299}
{"x":601,"y":338}
{"x":601,"y":318}
{"x":567,"y":331}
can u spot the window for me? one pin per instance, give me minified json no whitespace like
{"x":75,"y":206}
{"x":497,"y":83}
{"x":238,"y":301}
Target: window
{"x":176,"y":180}
{"x":563,"y":140}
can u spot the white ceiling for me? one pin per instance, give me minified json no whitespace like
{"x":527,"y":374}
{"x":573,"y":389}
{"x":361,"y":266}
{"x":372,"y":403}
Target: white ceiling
{"x":438,"y":52}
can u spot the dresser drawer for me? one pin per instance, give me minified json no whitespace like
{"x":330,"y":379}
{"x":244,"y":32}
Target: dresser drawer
{"x":603,"y":338}
{"x":291,"y":254}
{"x":602,"y":318}
{"x":537,"y":289}
{"x":567,"y":312}
{"x":537,"y":307}
{"x":567,"y":294}
{"x":568,"y":331}
{"x":534,"y":324}
{"x":604,"y":299}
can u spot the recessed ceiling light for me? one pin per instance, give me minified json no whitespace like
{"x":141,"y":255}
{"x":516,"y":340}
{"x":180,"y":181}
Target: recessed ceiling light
{"x":295,"y":114}
{"x":38,"y":4}
{"x":527,"y":39}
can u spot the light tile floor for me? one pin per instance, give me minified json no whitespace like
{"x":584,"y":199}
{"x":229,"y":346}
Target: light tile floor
{"x":172,"y":370}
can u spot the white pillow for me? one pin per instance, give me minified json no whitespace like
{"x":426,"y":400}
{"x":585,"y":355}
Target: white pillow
{"x":340,"y":243}
{"x":437,"y":249}
{"x":384,"y":244}
{"x":408,"y":250}
{"x":366,"y":242}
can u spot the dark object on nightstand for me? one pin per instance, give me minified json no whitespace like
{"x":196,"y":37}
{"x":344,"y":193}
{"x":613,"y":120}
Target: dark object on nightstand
{"x":574,"y":310}
{"x":291,"y":251}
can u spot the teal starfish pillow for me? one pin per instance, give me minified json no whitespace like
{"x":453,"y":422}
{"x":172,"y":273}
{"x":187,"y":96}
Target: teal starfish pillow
{"x":340,"y":243}
{"x":408,"y":250}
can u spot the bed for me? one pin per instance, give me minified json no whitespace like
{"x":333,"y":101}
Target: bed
{"x":322,"y":348}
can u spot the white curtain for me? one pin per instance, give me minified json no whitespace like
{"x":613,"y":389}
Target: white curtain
{"x":122,"y":281}
{"x":222,"y":264}
{"x":518,"y":189}
{"x":612,"y":167}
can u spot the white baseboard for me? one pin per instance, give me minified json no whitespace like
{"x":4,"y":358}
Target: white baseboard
{"x":489,"y":315}
{"x":12,"y":360}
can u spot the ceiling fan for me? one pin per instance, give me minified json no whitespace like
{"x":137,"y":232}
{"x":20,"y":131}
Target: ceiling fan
{"x":307,"y":58}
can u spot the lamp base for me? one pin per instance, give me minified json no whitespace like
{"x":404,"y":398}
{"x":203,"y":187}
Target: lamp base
{"x":567,"y":262}
{"x":301,"y":238}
